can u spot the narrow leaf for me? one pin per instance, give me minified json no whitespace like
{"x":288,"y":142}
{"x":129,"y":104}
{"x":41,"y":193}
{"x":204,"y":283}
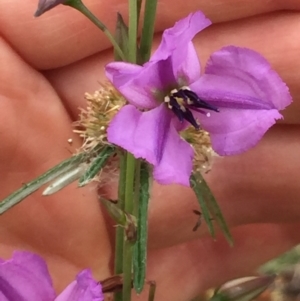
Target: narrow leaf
{"x":196,"y":185}
{"x":65,"y":179}
{"x":96,"y":165}
{"x":34,"y":185}
{"x":140,"y":247}
{"x":121,"y":36}
{"x":214,"y":208}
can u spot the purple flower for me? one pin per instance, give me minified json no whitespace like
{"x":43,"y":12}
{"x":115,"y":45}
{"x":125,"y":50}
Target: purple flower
{"x":45,"y":5}
{"x":25,"y":277}
{"x":236,"y":100}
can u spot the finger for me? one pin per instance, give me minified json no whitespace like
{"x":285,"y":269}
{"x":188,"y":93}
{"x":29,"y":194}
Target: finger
{"x":73,"y":81}
{"x":41,"y":41}
{"x":34,"y":131}
{"x":184,"y":271}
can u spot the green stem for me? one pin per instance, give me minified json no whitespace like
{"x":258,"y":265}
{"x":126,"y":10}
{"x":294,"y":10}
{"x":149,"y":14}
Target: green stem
{"x":137,"y":184}
{"x":127,"y":270}
{"x":85,"y":11}
{"x":128,"y":245}
{"x":148,"y":30}
{"x":120,"y":230}
{"x":129,"y":184}
{"x":132,"y":30}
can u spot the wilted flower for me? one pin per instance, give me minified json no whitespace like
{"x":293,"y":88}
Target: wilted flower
{"x":236,"y":100}
{"x":102,"y":106}
{"x":25,"y":277}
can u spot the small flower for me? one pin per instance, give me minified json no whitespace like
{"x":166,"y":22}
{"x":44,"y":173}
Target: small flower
{"x":45,"y":5}
{"x":25,"y":277}
{"x":236,"y":100}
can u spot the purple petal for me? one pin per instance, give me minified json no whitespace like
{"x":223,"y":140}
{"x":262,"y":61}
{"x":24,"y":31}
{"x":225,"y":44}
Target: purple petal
{"x":141,"y":133}
{"x":241,"y":78}
{"x":176,"y":43}
{"x":139,"y":84}
{"x":84,"y":288}
{"x":25,"y":277}
{"x":186,"y":65}
{"x":235,"y":131}
{"x":45,"y":5}
{"x":177,"y":161}
{"x":119,"y":72}
{"x":180,"y":35}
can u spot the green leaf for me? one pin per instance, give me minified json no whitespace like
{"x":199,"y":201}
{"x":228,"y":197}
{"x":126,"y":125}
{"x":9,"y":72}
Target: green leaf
{"x":65,"y":179}
{"x":213,"y":206}
{"x":196,"y":185}
{"x":121,"y":36}
{"x":34,"y":185}
{"x":96,"y":165}
{"x":140,"y":247}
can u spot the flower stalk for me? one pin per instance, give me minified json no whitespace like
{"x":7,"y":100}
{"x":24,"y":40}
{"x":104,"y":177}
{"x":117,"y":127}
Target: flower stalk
{"x":132,"y":30}
{"x":148,"y":30}
{"x":119,"y":230}
{"x":129,"y":208}
{"x":78,"y":5}
{"x":132,"y":174}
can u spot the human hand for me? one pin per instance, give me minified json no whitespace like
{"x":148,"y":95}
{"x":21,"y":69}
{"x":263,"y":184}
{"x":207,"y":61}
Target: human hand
{"x":48,"y":64}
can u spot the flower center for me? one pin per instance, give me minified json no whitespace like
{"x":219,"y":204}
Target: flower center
{"x":182,"y":101}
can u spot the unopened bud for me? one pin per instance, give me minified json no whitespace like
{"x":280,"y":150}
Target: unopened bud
{"x":243,"y":289}
{"x":45,"y":5}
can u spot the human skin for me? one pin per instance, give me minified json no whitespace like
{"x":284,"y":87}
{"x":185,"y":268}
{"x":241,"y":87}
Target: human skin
{"x":47,"y":65}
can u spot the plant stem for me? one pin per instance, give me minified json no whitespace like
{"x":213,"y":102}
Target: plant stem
{"x":120,"y":230}
{"x":148,"y":30}
{"x":132,"y":30}
{"x":128,"y":245}
{"x":137,"y":184}
{"x":85,"y":11}
{"x":152,"y":291}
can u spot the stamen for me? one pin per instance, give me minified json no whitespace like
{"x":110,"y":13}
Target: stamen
{"x":182,"y":101}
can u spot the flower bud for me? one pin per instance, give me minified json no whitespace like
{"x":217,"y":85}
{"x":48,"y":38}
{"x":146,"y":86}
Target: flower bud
{"x":45,"y":5}
{"x":243,"y":289}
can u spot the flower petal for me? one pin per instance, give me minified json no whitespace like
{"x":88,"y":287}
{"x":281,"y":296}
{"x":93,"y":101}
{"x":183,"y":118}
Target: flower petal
{"x":186,"y":65}
{"x":235,"y":131}
{"x":119,"y":72}
{"x":141,"y":133}
{"x":25,"y":277}
{"x":139,"y":84}
{"x":176,"y":43}
{"x":180,"y":35}
{"x":84,"y":288}
{"x":241,"y":78}
{"x":177,"y":161}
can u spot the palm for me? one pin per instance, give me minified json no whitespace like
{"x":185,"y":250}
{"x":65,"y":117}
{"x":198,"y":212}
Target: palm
{"x":68,"y":229}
